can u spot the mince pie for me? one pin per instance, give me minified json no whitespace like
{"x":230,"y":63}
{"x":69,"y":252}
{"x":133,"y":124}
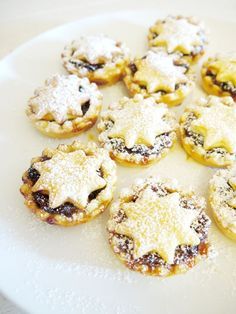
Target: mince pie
{"x":65,"y":106}
{"x":208,"y":131}
{"x":166,"y":77}
{"x":180,"y":34}
{"x":99,"y":58}
{"x":137,"y":131}
{"x":219,"y":75}
{"x":157,"y":228}
{"x":223,"y":200}
{"x":70,"y":184}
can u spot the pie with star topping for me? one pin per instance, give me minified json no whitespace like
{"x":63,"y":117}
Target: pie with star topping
{"x":99,"y":58}
{"x":166,"y":77}
{"x":208,"y":130}
{"x":157,"y":228}
{"x":137,"y":131}
{"x":69,"y":185}
{"x":180,"y":34}
{"x":219,"y":75}
{"x":65,"y":106}
{"x":223,"y":200}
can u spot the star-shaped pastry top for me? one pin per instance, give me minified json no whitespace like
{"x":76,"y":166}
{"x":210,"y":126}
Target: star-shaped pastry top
{"x":158,"y":224}
{"x":158,"y":71}
{"x":225,"y":68}
{"x":98,"y":48}
{"x":69,"y":177}
{"x":217,"y":123}
{"x":60,"y":98}
{"x":138,"y":121}
{"x":179,"y":34}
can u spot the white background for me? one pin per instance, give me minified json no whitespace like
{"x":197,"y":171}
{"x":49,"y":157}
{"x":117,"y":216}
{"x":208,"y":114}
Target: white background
{"x":24,"y":19}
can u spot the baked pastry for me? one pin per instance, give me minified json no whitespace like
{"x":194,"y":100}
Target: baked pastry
{"x":219,"y":75}
{"x":223,"y":200}
{"x":65,"y":106}
{"x":70,"y":184}
{"x":208,"y":131}
{"x":137,"y":131}
{"x":166,"y":77}
{"x":99,"y":58}
{"x":157,"y":228}
{"x":180,"y":34}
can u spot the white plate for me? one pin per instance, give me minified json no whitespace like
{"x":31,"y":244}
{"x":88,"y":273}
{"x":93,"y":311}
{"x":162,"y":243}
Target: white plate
{"x":48,"y":269}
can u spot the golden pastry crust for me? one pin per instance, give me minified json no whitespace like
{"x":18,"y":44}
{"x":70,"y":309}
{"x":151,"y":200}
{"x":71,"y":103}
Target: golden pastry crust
{"x":71,"y":185}
{"x":65,"y":106}
{"x":99,"y":58}
{"x":222,"y":197}
{"x":219,"y":75}
{"x":207,"y":131}
{"x":154,"y":207}
{"x":185,"y":35}
{"x":142,"y":140}
{"x":166,"y":77}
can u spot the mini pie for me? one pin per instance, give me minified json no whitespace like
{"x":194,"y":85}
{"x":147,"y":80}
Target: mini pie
{"x":65,"y":106}
{"x":69,"y":185}
{"x":166,"y":77}
{"x":137,"y":131}
{"x":156,"y":228}
{"x":99,"y":58}
{"x":219,"y":75}
{"x":180,"y":34}
{"x":223,"y":200}
{"x":208,"y":131}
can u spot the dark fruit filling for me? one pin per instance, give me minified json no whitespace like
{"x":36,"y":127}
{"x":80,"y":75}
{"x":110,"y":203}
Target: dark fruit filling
{"x":85,"y":107}
{"x":133,"y":68}
{"x":90,"y":67}
{"x":225,"y":86}
{"x":33,"y":175}
{"x":42,"y":201}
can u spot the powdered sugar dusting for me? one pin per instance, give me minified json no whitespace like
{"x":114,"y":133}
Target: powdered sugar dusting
{"x":160,"y":71}
{"x":223,"y":197}
{"x":137,"y":121}
{"x":69,"y":177}
{"x":97,"y":49}
{"x":62,"y":97}
{"x":161,"y":228}
{"x":180,"y":33}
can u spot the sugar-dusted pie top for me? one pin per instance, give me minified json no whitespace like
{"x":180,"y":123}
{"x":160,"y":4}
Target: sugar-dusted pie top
{"x":137,"y":120}
{"x":224,"y":66}
{"x":158,"y":224}
{"x":216,"y":121}
{"x":96,"y":49}
{"x":223,"y":199}
{"x":69,"y":177}
{"x":179,"y":34}
{"x":62,"y":97}
{"x":159,"y":72}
